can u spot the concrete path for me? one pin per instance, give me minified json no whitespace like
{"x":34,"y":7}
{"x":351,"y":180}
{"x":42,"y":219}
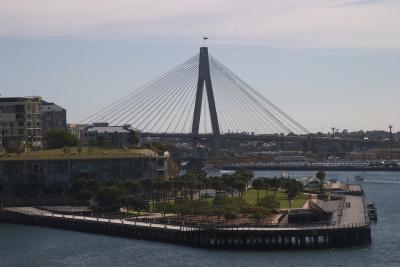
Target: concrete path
{"x":355,"y":213}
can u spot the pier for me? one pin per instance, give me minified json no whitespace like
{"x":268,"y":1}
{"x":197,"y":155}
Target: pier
{"x":351,"y":229}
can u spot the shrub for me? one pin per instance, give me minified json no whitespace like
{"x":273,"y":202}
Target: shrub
{"x":258,"y":216}
{"x":230,"y":215}
{"x":165,"y":207}
{"x":269,"y":202}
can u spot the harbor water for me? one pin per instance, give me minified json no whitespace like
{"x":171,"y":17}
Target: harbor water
{"x":39,"y":246}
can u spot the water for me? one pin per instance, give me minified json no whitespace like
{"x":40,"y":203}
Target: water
{"x":37,"y":246}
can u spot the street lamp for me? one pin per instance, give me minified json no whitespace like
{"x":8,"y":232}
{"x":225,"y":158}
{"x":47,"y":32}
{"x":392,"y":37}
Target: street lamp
{"x":391,"y":144}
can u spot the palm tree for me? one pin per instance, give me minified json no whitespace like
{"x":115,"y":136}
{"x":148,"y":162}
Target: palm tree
{"x":291,"y":191}
{"x":133,"y":187}
{"x":257,"y":184}
{"x":191,"y":184}
{"x":133,"y":138}
{"x":178,"y":186}
{"x":240,"y":186}
{"x":217,"y":183}
{"x":166,"y":187}
{"x":246,"y":175}
{"x":275,"y":185}
{"x":266,"y":185}
{"x":321,"y":177}
{"x":157,"y":186}
{"x":206,"y":185}
{"x":147,"y":185}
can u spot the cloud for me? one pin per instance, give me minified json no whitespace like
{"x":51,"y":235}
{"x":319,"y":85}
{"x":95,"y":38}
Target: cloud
{"x":281,"y":22}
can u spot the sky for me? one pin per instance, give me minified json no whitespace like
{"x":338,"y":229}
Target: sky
{"x":324,"y":62}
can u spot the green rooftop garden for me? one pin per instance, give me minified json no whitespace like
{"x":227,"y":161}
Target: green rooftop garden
{"x":79,"y":152}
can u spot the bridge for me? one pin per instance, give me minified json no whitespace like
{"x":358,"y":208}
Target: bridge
{"x":203,"y":99}
{"x":255,"y":137}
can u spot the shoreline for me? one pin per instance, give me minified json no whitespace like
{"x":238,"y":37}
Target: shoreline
{"x":308,"y":168}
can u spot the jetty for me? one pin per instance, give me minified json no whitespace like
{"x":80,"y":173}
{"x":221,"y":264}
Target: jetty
{"x":348,"y":226}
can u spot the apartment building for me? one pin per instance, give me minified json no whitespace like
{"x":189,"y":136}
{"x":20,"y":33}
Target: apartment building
{"x":53,"y":117}
{"x":21,"y":123}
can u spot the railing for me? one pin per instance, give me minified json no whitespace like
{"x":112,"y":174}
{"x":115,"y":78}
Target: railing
{"x":188,"y":227}
{"x":315,"y":207}
{"x":340,"y":209}
{"x":67,"y":209}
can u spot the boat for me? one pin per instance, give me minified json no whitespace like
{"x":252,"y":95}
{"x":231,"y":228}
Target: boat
{"x":333,"y":180}
{"x":371,"y":208}
{"x":359,"y":178}
{"x":211,"y":169}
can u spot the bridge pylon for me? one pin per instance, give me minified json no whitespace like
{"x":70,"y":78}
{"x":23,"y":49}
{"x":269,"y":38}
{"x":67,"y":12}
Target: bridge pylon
{"x":204,"y":80}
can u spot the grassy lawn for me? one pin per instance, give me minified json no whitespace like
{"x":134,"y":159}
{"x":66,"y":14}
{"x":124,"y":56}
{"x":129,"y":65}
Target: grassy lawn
{"x":298,"y":202}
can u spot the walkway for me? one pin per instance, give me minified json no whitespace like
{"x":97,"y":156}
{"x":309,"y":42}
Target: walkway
{"x":351,"y":218}
{"x":355,"y":213}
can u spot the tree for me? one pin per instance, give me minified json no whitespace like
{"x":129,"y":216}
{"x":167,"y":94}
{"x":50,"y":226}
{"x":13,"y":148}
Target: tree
{"x":257,"y":184}
{"x":217,"y":183}
{"x":100,"y":141}
{"x":147,"y":185}
{"x":109,"y":196}
{"x":267,"y":183}
{"x":84,"y":195}
{"x":275,"y":183}
{"x":258,"y":213}
{"x":269,"y":202}
{"x":291,"y":191}
{"x":133,"y":138}
{"x":230,"y":215}
{"x":321,"y":177}
{"x":114,"y":140}
{"x":165,"y":207}
{"x":239,"y":186}
{"x":157,"y":186}
{"x":244,"y":174}
{"x":166,"y":187}
{"x":58,"y":138}
{"x":133,"y":187}
{"x":140,"y":204}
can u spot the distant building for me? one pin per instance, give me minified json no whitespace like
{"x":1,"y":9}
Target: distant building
{"x":101,"y":134}
{"x":77,"y":130}
{"x":60,"y":166}
{"x":53,"y":117}
{"x":290,"y":159}
{"x":21,"y":123}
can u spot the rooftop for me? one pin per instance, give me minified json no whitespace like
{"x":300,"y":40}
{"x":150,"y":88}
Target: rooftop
{"x":47,"y":106}
{"x":86,"y":153}
{"x":108,"y":129}
{"x":19,"y":99}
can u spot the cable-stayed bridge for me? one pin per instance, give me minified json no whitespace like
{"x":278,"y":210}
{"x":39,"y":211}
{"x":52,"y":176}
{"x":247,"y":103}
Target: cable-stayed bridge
{"x":201,"y":98}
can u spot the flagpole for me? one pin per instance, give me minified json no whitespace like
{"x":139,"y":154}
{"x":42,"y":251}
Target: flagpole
{"x":204,"y":39}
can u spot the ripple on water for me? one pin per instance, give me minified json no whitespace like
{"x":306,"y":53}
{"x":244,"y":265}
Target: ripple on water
{"x":37,"y":246}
